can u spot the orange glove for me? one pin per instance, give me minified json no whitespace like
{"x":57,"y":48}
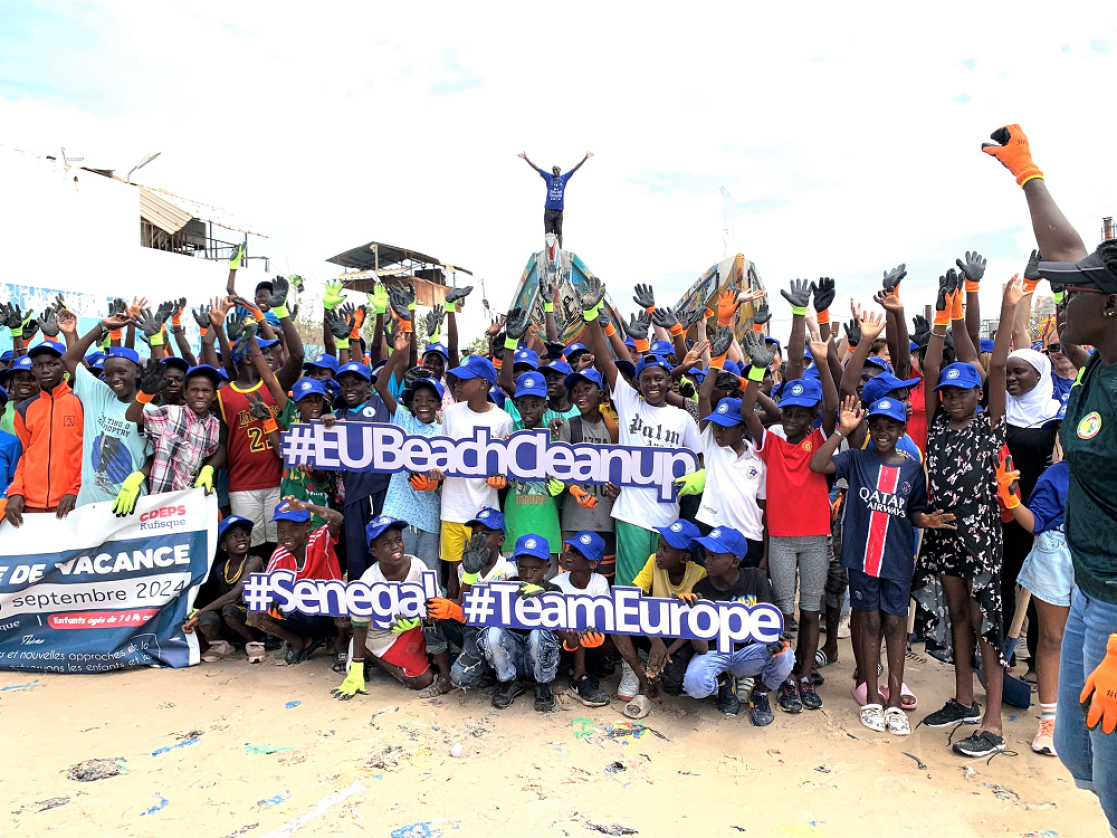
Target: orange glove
{"x":1008,"y":483}
{"x":1011,"y":148}
{"x":584,"y":498}
{"x":592,"y":638}
{"x":176,"y":318}
{"x":1099,"y":696}
{"x":957,"y":311}
{"x":727,"y":307}
{"x":498,"y":481}
{"x":257,"y":315}
{"x":422,"y":483}
{"x":688,"y":598}
{"x":358,"y":321}
{"x":440,"y":608}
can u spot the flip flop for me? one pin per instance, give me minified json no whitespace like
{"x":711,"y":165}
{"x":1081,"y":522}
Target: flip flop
{"x":821,"y":659}
{"x":861,"y":691}
{"x":255,"y":651}
{"x":638,"y":708}
{"x":904,"y":693}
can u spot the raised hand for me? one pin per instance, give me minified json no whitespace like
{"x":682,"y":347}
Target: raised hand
{"x":165,"y":310}
{"x":889,"y":302}
{"x":645,"y":297}
{"x":118,"y":306}
{"x":755,"y":347}
{"x":496,"y":326}
{"x":148,"y":323}
{"x":68,"y":321}
{"x":455,"y":296}
{"x":689,"y":318}
{"x":378,"y":299}
{"x":517,"y":323}
{"x":823,"y":292}
{"x":152,"y":383}
{"x":891,"y":280}
{"x":258,"y":409}
{"x":665,"y":318}
{"x":1014,"y":291}
{"x":762,"y":314}
{"x":727,"y":381}
{"x":434,"y":321}
{"x":247,"y":333}
{"x":972,"y":270}
{"x":238,"y":255}
{"x":727,"y":306}
{"x":851,"y":417}
{"x":476,"y":554}
{"x":798,"y":294}
{"x":638,"y":325}
{"x":593,"y":294}
{"x":1031,"y":272}
{"x":723,"y":339}
{"x":921,"y":326}
{"x":871,"y":323}
{"x":333,"y":297}
{"x":277,"y":297}
{"x":338,"y":323}
{"x":48,"y":322}
{"x":694,"y":354}
{"x":400,"y":302}
{"x":1010,"y":146}
{"x":944,"y":302}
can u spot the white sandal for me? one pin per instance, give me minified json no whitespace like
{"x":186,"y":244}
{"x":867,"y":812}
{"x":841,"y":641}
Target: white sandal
{"x":897,"y":721}
{"x":872,"y":717}
{"x":255,"y":651}
{"x":638,"y":707}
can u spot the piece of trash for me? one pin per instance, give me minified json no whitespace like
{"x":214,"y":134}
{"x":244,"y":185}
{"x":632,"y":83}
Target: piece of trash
{"x":1047,"y":833}
{"x":1012,"y":718}
{"x":190,"y":734}
{"x":822,"y":769}
{"x":181,"y":744}
{"x":583,"y":727}
{"x":456,"y":750}
{"x":615,"y":767}
{"x":316,"y":811}
{"x":773,"y":752}
{"x":608,"y":830}
{"x":1002,"y":792}
{"x":97,"y":769}
{"x":162,"y":804}
{"x":423,"y":829}
{"x":241,"y":831}
{"x":273,"y":801}
{"x":29,"y":686}
{"x":691,"y":774}
{"x":967,"y":772}
{"x":264,"y":749}
{"x":383,"y":711}
{"x":290,"y":705}
{"x":918,"y":762}
{"x":738,"y":828}
{"x":52,"y":803}
{"x":632,"y":729}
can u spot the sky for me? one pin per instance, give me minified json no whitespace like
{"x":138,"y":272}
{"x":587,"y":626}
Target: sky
{"x":848,"y":136}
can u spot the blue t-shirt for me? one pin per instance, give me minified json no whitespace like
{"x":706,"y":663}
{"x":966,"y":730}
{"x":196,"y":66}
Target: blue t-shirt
{"x":113,"y":447}
{"x":361,"y":484}
{"x":10,"y":452}
{"x":556,"y":189}
{"x":905,"y":445}
{"x":878,"y":537}
{"x":1049,"y":498}
{"x":420,"y":509}
{"x":1062,"y":387}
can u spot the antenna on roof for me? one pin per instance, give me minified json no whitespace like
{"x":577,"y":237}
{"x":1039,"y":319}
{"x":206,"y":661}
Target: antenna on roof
{"x":147,"y":159}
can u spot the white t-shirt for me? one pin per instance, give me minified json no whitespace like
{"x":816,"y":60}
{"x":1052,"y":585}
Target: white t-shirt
{"x":464,"y":497}
{"x":650,"y":427}
{"x":733,"y":486}
{"x":379,"y":642}
{"x":503,"y":569}
{"x":598,"y":586}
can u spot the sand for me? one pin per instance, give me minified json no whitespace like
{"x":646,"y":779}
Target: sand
{"x":229,"y":749}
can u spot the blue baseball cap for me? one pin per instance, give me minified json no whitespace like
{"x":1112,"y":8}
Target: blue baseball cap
{"x":380,"y":523}
{"x":437,"y":348}
{"x":573,"y":350}
{"x":332,"y":387}
{"x":3,"y":396}
{"x":590,"y":375}
{"x":265,"y":343}
{"x":171,"y":361}
{"x":383,"y":362}
{"x":892,"y":408}
{"x":628,"y":341}
{"x":589,"y":544}
{"x":125,"y":353}
{"x":20,"y":364}
{"x":232,"y":521}
{"x":912,"y":346}
{"x":985,"y":345}
{"x":627,"y":367}
{"x":6,"y":356}
{"x":532,"y":545}
{"x":93,"y":358}
{"x":959,"y":374}
{"x":731,"y":366}
{"x":680,"y":535}
{"x":206,"y":370}
{"x":52,"y":346}
{"x":475,"y":366}
{"x":877,"y":361}
{"x":560,"y":366}
{"x":425,"y":382}
{"x":308,"y":387}
{"x":323,"y":361}
{"x":531,"y":384}
{"x":651,"y":361}
{"x":727,"y":414}
{"x":356,"y":368}
{"x":284,"y":513}
{"x":224,"y":375}
{"x":770,"y":339}
{"x":725,"y":540}
{"x":802,"y":392}
{"x":697,"y":373}
{"x":488,"y":517}
{"x":811,"y":373}
{"x":526,"y":357}
{"x":662,"y":347}
{"x":497,"y":396}
{"x":881,"y":385}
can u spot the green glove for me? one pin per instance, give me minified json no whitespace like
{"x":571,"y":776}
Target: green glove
{"x":156,"y":339}
{"x":333,"y":297}
{"x":342,"y":343}
{"x":591,"y":315}
{"x":378,"y":299}
{"x":205,"y":479}
{"x":511,"y":343}
{"x":353,"y":684}
{"x":756,"y":373}
{"x":234,"y":263}
{"x":555,"y":486}
{"x":401,"y":624}
{"x":1058,"y":298}
{"x":18,"y":333}
{"x":529,"y":589}
{"x":129,"y":491}
{"x":691,"y":484}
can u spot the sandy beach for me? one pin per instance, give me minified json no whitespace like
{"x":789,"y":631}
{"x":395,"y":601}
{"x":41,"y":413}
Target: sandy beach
{"x":229,"y":749}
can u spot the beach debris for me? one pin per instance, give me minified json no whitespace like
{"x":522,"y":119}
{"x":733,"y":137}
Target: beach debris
{"x":291,"y":705}
{"x":190,"y":734}
{"x":181,"y":744}
{"x":241,"y":831}
{"x":388,"y":760}
{"x":273,"y":801}
{"x":633,"y":729}
{"x":968,"y":772}
{"x":162,"y":804}
{"x":583,"y":728}
{"x":738,"y":828}
{"x":822,"y":769}
{"x":29,"y":686}
{"x":316,"y":811}
{"x":689,"y":774}
{"x":423,"y":829}
{"x":456,"y":750}
{"x":615,"y":767}
{"x":918,"y":762}
{"x":264,"y":749}
{"x":1002,"y":792}
{"x":383,"y":711}
{"x":1047,"y":833}
{"x":610,"y":829}
{"x":97,"y":769}
{"x":52,"y":803}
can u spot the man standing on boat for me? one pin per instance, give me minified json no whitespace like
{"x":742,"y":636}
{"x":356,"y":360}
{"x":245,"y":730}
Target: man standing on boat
{"x":556,"y":189}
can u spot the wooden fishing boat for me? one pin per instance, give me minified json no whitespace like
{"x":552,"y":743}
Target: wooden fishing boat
{"x":704,"y":293}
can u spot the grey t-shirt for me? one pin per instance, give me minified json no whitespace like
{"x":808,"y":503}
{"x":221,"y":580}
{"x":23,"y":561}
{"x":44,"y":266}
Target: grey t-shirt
{"x":574,"y":517}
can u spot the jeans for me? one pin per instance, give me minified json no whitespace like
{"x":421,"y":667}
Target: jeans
{"x":423,"y":545}
{"x":702,"y":673}
{"x":529,"y":657}
{"x":468,"y":670}
{"x":1089,"y":755}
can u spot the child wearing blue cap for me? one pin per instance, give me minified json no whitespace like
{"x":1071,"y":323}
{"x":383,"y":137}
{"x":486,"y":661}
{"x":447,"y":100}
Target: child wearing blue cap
{"x":10,"y":452}
{"x":712,"y":672}
{"x":20,"y":383}
{"x":579,"y":559}
{"x":963,"y":451}
{"x":886,"y":499}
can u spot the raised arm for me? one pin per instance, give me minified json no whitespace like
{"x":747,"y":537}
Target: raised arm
{"x":582,"y":162}
{"x":516,"y":327}
{"x":822,"y":461}
{"x":819,"y":349}
{"x":592,"y":302}
{"x":722,"y":341}
{"x":454,"y":300}
{"x":760,"y":357}
{"x":75,"y":352}
{"x":964,"y":348}
{"x":1014,"y":293}
{"x":870,"y":326}
{"x":799,"y":294}
{"x":234,"y":266}
{"x":383,"y":382}
{"x":932,"y":361}
{"x":523,"y":156}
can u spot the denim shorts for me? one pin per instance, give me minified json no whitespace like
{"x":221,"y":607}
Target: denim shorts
{"x":1048,"y":571}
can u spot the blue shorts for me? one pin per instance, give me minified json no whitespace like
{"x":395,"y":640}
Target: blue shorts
{"x":871,"y":593}
{"x":1048,"y":572}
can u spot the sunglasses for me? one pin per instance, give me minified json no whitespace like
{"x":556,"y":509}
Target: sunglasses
{"x":1054,"y":347}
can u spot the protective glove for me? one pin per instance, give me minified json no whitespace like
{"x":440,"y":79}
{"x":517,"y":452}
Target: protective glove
{"x":727,"y":306}
{"x":422,"y":483}
{"x":973,"y":269}
{"x":238,"y":254}
{"x":688,"y":598}
{"x":434,"y":323}
{"x":760,"y":356}
{"x":529,"y":590}
{"x":823,"y":292}
{"x":853,"y":332}
{"x":691,"y":484}
{"x":1031,"y":273}
{"x":176,"y":315}
{"x":378,"y":299}
{"x":592,"y":298}
{"x":403,"y":624}
{"x":723,"y":339}
{"x":455,"y":296}
{"x":277,"y":297}
{"x":665,"y":318}
{"x":152,"y":383}
{"x":358,"y":321}
{"x":920,"y":327}
{"x":48,"y":323}
{"x":799,"y":294}
{"x":591,"y":638}
{"x":354,"y":683}
{"x":440,"y":608}
{"x":205,"y":479}
{"x":584,"y":498}
{"x":761,"y":315}
{"x":645,"y":298}
{"x":516,"y":327}
{"x":687,"y":391}
{"x":23,"y":320}
{"x":129,"y":491}
{"x":333,"y":297}
{"x":944,"y":303}
{"x":547,"y":294}
{"x":1008,"y":483}
{"x":1010,"y":146}
{"x":497,"y":481}
{"x":891,"y":279}
{"x":555,"y":487}
{"x":729,"y":381}
{"x":638,"y":326}
{"x":1099,"y":696}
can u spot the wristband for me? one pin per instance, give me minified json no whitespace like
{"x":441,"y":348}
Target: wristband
{"x":176,"y":319}
{"x":1029,"y":174}
{"x":649,"y":309}
{"x":193,"y":613}
{"x":470,"y":578}
{"x":642,"y":345}
{"x":756,"y":373}
{"x":356,"y":333}
{"x":548,"y":308}
{"x":451,"y":308}
{"x":411,"y":306}
{"x":759,"y":327}
{"x":270,"y":425}
{"x":708,"y":314}
{"x":406,"y":324}
{"x":1058,"y":298}
{"x":610,"y":329}
{"x":972,"y":287}
{"x":256,"y":313}
{"x":1029,"y":287}
{"x":958,"y":313}
{"x":202,"y":331}
{"x":343,"y":343}
{"x":591,"y":315}
{"x":1015,"y":501}
{"x":145,"y":398}
{"x":497,"y":362}
{"x":511,"y":343}
{"x":114,"y":334}
{"x":156,"y":339}
{"x":800,"y":311}
{"x":17,"y":332}
{"x":568,"y":648}
{"x":823,"y":317}
{"x":281,"y":311}
{"x":717,"y":362}
{"x":676,"y":330}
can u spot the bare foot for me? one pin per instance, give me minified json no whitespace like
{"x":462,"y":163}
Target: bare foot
{"x":441,"y":686}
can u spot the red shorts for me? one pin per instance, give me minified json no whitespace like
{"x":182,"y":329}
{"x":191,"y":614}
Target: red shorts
{"x":409,"y":653}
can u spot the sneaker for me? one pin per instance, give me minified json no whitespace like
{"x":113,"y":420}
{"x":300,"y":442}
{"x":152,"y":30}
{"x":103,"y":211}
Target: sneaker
{"x":843,"y":627}
{"x":789,"y":697}
{"x":954,"y":713}
{"x":1044,"y":743}
{"x":760,"y":709}
{"x":790,"y":624}
{"x":629,"y":685}
{"x":807,"y":695}
{"x":728,"y":703}
{"x":980,"y":744}
{"x":544,"y":698}
{"x":506,"y":693}
{"x":587,"y":690}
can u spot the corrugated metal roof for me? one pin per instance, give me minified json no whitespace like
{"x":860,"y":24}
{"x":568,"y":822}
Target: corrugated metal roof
{"x":161,"y":212}
{"x":364,"y":258}
{"x":205,"y":212}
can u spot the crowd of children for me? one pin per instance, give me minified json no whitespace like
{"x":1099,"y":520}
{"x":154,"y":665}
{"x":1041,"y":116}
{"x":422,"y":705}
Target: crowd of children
{"x":910,"y":479}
